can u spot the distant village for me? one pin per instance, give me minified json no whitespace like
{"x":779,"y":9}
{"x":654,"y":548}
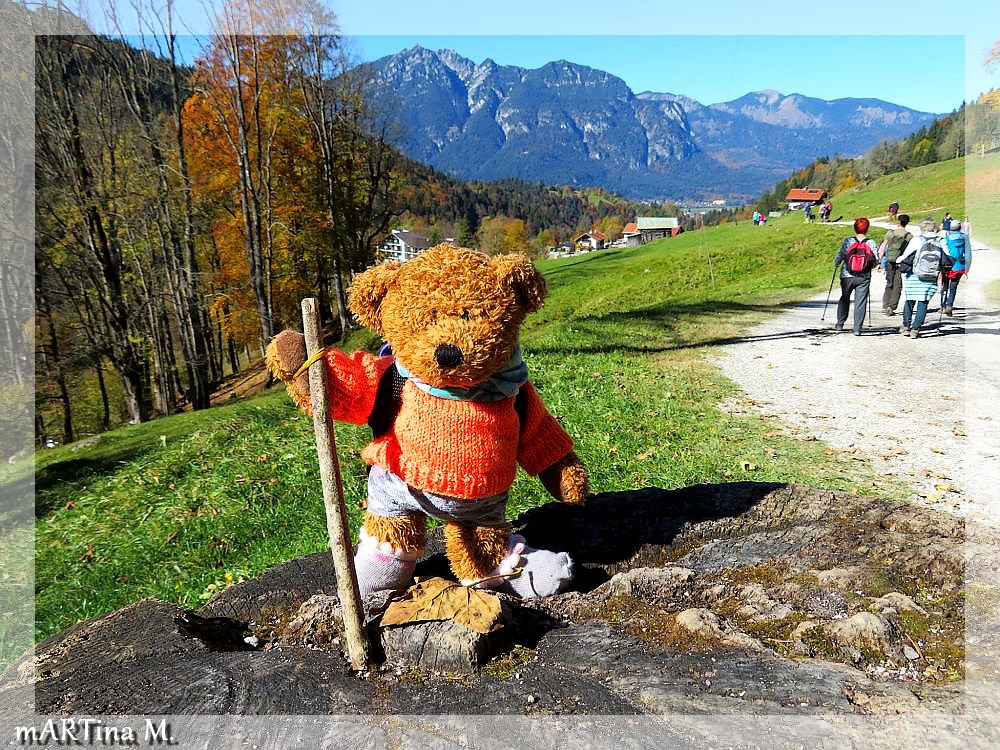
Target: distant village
{"x":403,"y":245}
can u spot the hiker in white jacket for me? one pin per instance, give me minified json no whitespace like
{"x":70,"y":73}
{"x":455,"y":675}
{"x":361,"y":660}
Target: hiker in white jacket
{"x":916,"y":291}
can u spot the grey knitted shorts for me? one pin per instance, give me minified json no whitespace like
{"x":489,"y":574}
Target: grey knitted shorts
{"x":390,"y":496}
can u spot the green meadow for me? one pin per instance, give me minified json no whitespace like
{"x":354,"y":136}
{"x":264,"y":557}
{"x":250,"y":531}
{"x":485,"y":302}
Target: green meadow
{"x":621,"y":353}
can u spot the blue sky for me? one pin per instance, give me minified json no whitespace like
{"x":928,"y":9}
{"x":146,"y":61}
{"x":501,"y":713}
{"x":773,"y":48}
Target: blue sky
{"x":919,"y":53}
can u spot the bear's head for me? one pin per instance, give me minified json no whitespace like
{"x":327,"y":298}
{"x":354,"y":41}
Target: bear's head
{"x":451,"y":315}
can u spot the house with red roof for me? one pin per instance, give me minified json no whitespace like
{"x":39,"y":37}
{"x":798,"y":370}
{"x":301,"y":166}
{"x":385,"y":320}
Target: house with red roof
{"x":592,"y":240}
{"x":798,"y":197}
{"x":631,"y":235}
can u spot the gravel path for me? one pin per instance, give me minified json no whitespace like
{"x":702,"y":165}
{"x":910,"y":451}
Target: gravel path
{"x":926,"y":411}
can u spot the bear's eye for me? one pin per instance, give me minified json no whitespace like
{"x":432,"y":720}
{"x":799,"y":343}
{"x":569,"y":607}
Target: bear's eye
{"x":465,"y":315}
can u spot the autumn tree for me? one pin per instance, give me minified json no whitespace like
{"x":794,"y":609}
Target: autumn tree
{"x":16,"y":100}
{"x":305,"y":164}
{"x":984,"y":119}
{"x":502,"y":234}
{"x":611,"y":226}
{"x":540,"y":244}
{"x":992,"y":62}
{"x":85,"y":185}
{"x":240,"y":80}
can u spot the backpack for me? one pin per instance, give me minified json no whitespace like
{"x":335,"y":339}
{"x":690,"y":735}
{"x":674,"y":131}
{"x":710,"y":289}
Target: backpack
{"x":896,"y":246}
{"x":956,"y":249}
{"x":931,"y":261}
{"x":859,"y":257}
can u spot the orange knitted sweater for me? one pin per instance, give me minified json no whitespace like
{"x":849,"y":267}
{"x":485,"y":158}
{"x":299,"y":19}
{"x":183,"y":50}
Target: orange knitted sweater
{"x":462,"y":449}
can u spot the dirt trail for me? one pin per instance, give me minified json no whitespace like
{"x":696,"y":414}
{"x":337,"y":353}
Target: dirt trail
{"x":926,"y":411}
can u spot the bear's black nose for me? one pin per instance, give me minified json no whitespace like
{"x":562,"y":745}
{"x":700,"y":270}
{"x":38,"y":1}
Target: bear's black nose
{"x":448,"y":355}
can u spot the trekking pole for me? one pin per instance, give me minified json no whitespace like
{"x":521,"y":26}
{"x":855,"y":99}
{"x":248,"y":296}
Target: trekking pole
{"x":358,"y":646}
{"x":829,"y":292}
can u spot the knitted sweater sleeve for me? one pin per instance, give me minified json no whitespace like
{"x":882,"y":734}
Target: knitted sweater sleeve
{"x":543,"y":441}
{"x":352,"y":382}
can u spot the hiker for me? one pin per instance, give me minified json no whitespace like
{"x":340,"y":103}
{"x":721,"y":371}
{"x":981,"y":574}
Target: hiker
{"x":859,"y":255}
{"x":893,"y":210}
{"x":756,"y":217}
{"x":958,"y":248}
{"x":921,"y":265}
{"x":967,"y":227}
{"x":807,"y":213}
{"x":946,"y":224}
{"x":892,"y":247}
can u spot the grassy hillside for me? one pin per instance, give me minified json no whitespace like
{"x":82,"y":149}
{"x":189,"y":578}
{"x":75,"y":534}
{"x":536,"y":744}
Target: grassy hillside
{"x":181,"y":507}
{"x":983,"y":185}
{"x":969,"y":186}
{"x":925,"y":191}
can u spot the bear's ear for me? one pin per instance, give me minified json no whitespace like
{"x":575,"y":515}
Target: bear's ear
{"x":367,"y":291}
{"x":518,"y":273}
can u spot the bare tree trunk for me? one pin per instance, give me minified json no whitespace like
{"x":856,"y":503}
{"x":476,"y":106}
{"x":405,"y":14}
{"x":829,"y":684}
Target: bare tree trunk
{"x":86,"y":173}
{"x":355,"y":156}
{"x":13,"y":312}
{"x":138,"y":82}
{"x":343,"y":313}
{"x":52,"y":364}
{"x":105,"y":402}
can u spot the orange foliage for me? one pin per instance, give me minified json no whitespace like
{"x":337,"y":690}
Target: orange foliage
{"x":245,"y":86}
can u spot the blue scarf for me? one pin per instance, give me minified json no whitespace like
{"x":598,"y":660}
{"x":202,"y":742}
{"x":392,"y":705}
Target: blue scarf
{"x":503,"y":384}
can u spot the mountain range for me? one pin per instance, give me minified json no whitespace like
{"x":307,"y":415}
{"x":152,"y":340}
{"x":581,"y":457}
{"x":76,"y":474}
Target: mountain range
{"x":565,"y":123}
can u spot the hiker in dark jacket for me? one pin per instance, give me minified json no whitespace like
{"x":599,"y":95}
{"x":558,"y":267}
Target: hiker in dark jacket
{"x":889,"y":251}
{"x":859,"y":255}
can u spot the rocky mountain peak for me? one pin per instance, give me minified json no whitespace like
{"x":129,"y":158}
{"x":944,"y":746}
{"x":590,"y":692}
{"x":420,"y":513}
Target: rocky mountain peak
{"x":569,"y":123}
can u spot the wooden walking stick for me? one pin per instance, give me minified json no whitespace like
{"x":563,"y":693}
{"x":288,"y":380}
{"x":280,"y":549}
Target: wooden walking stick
{"x":358,"y":646}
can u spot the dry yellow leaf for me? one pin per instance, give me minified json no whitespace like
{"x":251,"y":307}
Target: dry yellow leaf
{"x":433,"y":599}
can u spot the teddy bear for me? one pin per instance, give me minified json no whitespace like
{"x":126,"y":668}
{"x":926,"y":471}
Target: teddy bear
{"x":452,"y":414}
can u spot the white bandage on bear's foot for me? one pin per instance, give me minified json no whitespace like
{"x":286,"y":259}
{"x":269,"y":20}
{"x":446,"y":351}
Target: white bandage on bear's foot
{"x":381,"y":566}
{"x":542,"y":572}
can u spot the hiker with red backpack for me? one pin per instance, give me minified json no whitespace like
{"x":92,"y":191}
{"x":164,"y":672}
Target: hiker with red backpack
{"x":859,"y":255}
{"x":922,"y":263}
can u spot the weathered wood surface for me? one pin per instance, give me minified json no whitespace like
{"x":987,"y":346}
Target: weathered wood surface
{"x":726,"y":558}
